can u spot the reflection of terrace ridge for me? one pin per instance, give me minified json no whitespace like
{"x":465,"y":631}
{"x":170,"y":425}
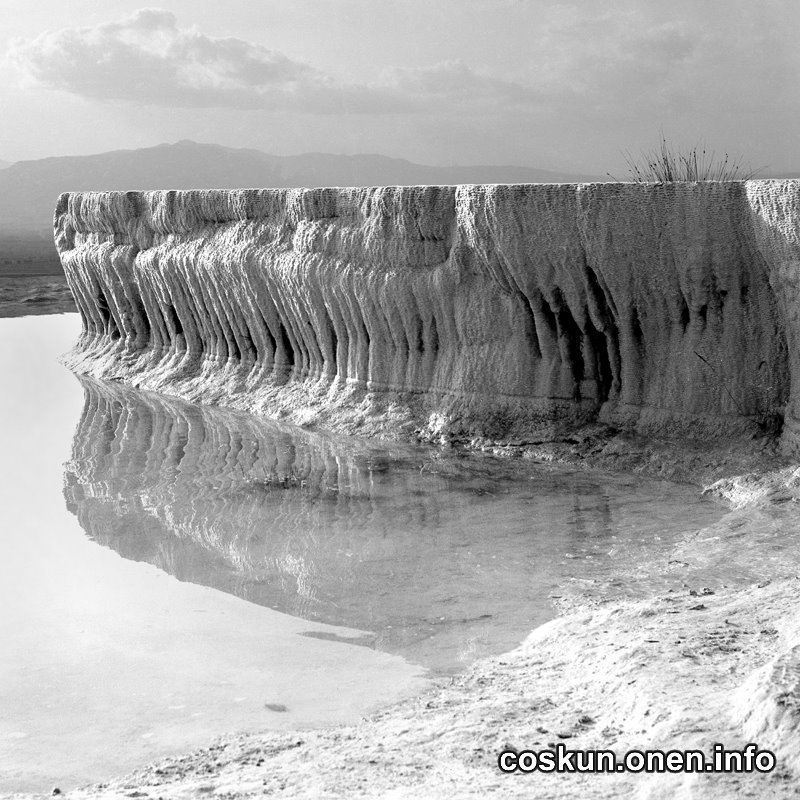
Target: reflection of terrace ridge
{"x":407,"y":542}
{"x":248,"y":491}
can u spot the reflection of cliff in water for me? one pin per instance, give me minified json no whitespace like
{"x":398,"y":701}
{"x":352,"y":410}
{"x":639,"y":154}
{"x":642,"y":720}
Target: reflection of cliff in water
{"x":442,"y":558}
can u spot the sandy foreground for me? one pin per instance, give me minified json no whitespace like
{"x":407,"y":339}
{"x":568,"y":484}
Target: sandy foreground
{"x":707,"y":652}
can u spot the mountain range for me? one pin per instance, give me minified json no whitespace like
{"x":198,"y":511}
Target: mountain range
{"x":28,"y":189}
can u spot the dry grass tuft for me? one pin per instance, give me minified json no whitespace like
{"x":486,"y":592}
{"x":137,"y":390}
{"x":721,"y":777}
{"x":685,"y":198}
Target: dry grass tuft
{"x":670,"y":164}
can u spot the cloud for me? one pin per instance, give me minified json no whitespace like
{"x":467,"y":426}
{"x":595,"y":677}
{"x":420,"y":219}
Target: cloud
{"x":578,"y":64}
{"x":147,"y":58}
{"x":454,"y":83}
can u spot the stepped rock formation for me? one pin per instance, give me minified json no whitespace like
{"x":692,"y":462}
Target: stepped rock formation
{"x":479,"y":311}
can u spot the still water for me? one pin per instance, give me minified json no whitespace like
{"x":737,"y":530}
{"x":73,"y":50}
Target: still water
{"x":170,"y":571}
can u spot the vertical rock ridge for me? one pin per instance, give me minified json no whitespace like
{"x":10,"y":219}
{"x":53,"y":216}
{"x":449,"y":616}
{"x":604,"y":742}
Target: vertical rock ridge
{"x":486,"y":310}
{"x":775,"y":215}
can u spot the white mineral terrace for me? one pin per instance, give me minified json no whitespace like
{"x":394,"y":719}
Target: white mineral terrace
{"x":485,"y":311}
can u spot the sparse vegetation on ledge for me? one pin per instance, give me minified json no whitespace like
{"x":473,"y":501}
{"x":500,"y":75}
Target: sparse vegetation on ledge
{"x":669,"y":164}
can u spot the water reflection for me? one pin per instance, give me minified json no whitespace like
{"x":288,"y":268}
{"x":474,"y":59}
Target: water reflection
{"x":443,"y":559}
{"x":106,"y":663}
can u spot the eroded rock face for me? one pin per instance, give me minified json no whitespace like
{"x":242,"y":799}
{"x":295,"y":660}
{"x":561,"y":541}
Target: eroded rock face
{"x":475,"y":310}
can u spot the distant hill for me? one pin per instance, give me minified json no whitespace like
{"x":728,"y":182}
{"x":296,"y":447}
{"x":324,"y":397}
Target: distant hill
{"x":4,"y":164}
{"x":28,"y":189}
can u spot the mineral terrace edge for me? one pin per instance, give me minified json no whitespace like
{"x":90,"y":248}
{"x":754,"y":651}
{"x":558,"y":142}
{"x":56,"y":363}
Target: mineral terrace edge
{"x":483,"y":310}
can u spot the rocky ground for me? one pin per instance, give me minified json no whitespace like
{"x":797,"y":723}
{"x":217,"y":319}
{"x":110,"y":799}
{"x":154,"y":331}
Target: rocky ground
{"x":710,"y":655}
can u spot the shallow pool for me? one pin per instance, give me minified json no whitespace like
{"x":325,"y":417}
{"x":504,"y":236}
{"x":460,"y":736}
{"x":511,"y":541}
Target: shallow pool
{"x":171,"y":571}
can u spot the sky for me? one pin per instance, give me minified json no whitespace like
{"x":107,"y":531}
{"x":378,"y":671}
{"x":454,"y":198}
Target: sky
{"x":554,"y":85}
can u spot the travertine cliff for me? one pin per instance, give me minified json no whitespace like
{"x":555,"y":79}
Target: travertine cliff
{"x":475,"y":310}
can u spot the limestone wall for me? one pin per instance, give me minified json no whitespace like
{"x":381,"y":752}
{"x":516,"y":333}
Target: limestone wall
{"x":475,"y":310}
